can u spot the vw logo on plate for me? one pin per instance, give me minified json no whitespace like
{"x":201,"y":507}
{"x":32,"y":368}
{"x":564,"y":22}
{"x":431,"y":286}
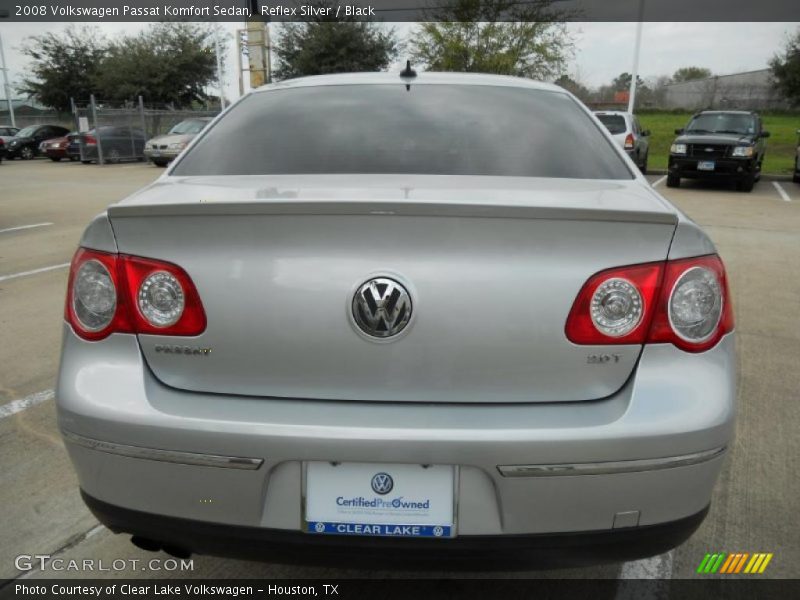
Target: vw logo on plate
{"x":382,"y":483}
{"x":381,"y":307}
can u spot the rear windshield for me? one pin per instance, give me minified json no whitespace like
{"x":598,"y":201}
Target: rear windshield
{"x":429,"y":129}
{"x":614,"y":123}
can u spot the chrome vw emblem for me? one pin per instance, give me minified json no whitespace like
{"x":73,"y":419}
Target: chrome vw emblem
{"x":382,"y":483}
{"x":381,"y":307}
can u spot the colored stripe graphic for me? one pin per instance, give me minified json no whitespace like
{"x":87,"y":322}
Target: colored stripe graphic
{"x":734,"y":563}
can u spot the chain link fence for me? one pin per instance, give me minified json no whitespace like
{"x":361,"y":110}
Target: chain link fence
{"x":112,"y":134}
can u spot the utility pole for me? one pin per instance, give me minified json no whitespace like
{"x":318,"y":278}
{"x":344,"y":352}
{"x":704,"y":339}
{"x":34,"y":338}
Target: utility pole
{"x":636,"y":49}
{"x":258,"y":48}
{"x":219,"y":71}
{"x":5,"y":83}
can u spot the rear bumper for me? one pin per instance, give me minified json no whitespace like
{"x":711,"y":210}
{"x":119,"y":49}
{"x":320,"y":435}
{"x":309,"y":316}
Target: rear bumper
{"x":675,"y":405}
{"x":724,"y":168}
{"x":485,"y":551}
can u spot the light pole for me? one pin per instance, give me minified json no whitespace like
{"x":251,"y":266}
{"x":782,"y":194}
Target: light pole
{"x":219,"y":71}
{"x":5,"y":83}
{"x":637,"y":48}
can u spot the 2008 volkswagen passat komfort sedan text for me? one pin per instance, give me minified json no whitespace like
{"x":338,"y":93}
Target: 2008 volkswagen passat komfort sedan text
{"x":436,"y":319}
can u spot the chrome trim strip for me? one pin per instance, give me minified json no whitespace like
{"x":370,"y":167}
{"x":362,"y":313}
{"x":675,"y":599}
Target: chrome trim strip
{"x":612,"y":467}
{"x":170,"y":456}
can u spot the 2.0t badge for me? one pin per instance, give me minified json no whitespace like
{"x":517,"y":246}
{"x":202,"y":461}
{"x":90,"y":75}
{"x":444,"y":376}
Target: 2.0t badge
{"x":381,"y":307}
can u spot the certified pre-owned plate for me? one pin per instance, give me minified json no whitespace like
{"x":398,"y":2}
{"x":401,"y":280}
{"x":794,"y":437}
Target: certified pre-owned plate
{"x":705,"y":165}
{"x":380,"y":499}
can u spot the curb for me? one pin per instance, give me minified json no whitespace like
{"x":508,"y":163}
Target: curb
{"x":764,"y":176}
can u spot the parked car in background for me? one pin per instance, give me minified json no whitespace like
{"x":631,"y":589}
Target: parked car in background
{"x":116,"y":143}
{"x":56,"y":149}
{"x":164,"y":148}
{"x":457,"y":314}
{"x":2,"y":150}
{"x":7,"y":132}
{"x":727,"y":145}
{"x":628,"y":133}
{"x":25,"y":144}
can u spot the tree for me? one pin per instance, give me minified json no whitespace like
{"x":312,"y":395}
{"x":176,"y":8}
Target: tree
{"x":622,"y":82}
{"x":333,"y":46}
{"x":786,"y":70}
{"x":690,"y":74}
{"x":170,"y":63}
{"x":494,"y":36}
{"x":63,"y":66}
{"x":575,"y":87}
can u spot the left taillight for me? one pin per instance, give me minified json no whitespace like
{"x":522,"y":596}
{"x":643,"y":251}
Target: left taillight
{"x":117,"y":293}
{"x":629,"y":141}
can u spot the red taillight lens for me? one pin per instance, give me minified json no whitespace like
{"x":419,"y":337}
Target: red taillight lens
{"x":90,"y":140}
{"x":615,"y":306}
{"x":694,"y":309}
{"x":163,"y":297}
{"x":629,"y":142}
{"x":683,"y":302}
{"x":110,"y":293}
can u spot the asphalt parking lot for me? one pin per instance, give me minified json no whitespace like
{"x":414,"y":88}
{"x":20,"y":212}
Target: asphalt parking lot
{"x":44,"y":207}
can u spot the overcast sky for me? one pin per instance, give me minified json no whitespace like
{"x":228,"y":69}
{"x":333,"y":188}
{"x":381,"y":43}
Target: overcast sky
{"x":602,"y":50}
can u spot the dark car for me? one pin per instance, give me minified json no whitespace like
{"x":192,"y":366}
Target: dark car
{"x":115,"y":143}
{"x":2,"y":150}
{"x":25,"y":144}
{"x":725,"y":145}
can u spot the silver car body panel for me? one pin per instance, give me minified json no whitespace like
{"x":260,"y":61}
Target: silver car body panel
{"x":267,"y":251}
{"x":655,"y":415}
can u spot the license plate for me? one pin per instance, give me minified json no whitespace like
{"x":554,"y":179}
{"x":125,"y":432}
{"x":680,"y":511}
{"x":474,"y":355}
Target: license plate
{"x":155,"y":154}
{"x":705,"y":165}
{"x":386,"y":500}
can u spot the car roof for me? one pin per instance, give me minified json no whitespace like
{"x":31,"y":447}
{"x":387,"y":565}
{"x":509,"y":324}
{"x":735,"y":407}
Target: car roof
{"x":424,"y":78}
{"x":727,"y":112}
{"x":622,"y":113}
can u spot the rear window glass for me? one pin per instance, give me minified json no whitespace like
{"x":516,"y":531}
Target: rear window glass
{"x":429,"y":129}
{"x":614,"y":123}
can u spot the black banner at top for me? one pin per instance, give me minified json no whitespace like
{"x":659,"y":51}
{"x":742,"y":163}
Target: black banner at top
{"x":401,"y":10}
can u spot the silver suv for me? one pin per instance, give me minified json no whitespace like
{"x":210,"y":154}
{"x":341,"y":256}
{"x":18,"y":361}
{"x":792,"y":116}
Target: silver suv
{"x":388,"y":325}
{"x":628,"y":133}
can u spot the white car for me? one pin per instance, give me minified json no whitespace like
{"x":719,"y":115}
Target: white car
{"x":628,"y":133}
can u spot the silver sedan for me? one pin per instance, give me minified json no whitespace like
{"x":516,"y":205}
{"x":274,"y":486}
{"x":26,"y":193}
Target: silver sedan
{"x":405,"y":319}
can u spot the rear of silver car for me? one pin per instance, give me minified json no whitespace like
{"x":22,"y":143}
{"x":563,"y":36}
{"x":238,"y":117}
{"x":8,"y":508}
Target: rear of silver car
{"x":442,"y":367}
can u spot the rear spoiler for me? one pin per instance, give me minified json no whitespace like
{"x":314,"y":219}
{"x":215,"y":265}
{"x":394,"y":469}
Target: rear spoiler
{"x":389,"y":208}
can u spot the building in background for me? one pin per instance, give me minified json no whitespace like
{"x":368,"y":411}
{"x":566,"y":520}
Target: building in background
{"x":749,"y":90}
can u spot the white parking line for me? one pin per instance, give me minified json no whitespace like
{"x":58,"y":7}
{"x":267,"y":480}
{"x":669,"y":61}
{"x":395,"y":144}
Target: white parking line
{"x":657,"y":567}
{"x":33,"y":272}
{"x":658,"y":181}
{"x":781,"y":192}
{"x":15,"y":406}
{"x":21,"y":227}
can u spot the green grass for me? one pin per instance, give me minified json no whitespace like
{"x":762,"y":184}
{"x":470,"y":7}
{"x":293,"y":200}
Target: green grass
{"x":780,"y":145}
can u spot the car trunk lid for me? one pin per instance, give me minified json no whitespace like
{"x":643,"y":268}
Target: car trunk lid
{"x":492,"y":266}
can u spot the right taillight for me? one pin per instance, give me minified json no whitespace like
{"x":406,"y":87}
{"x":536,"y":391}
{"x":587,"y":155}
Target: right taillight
{"x":694,"y":309}
{"x":117,"y":293}
{"x":629,"y":142}
{"x":683,"y":302}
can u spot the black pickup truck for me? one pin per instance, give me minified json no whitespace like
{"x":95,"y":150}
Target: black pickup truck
{"x":716,"y":144}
